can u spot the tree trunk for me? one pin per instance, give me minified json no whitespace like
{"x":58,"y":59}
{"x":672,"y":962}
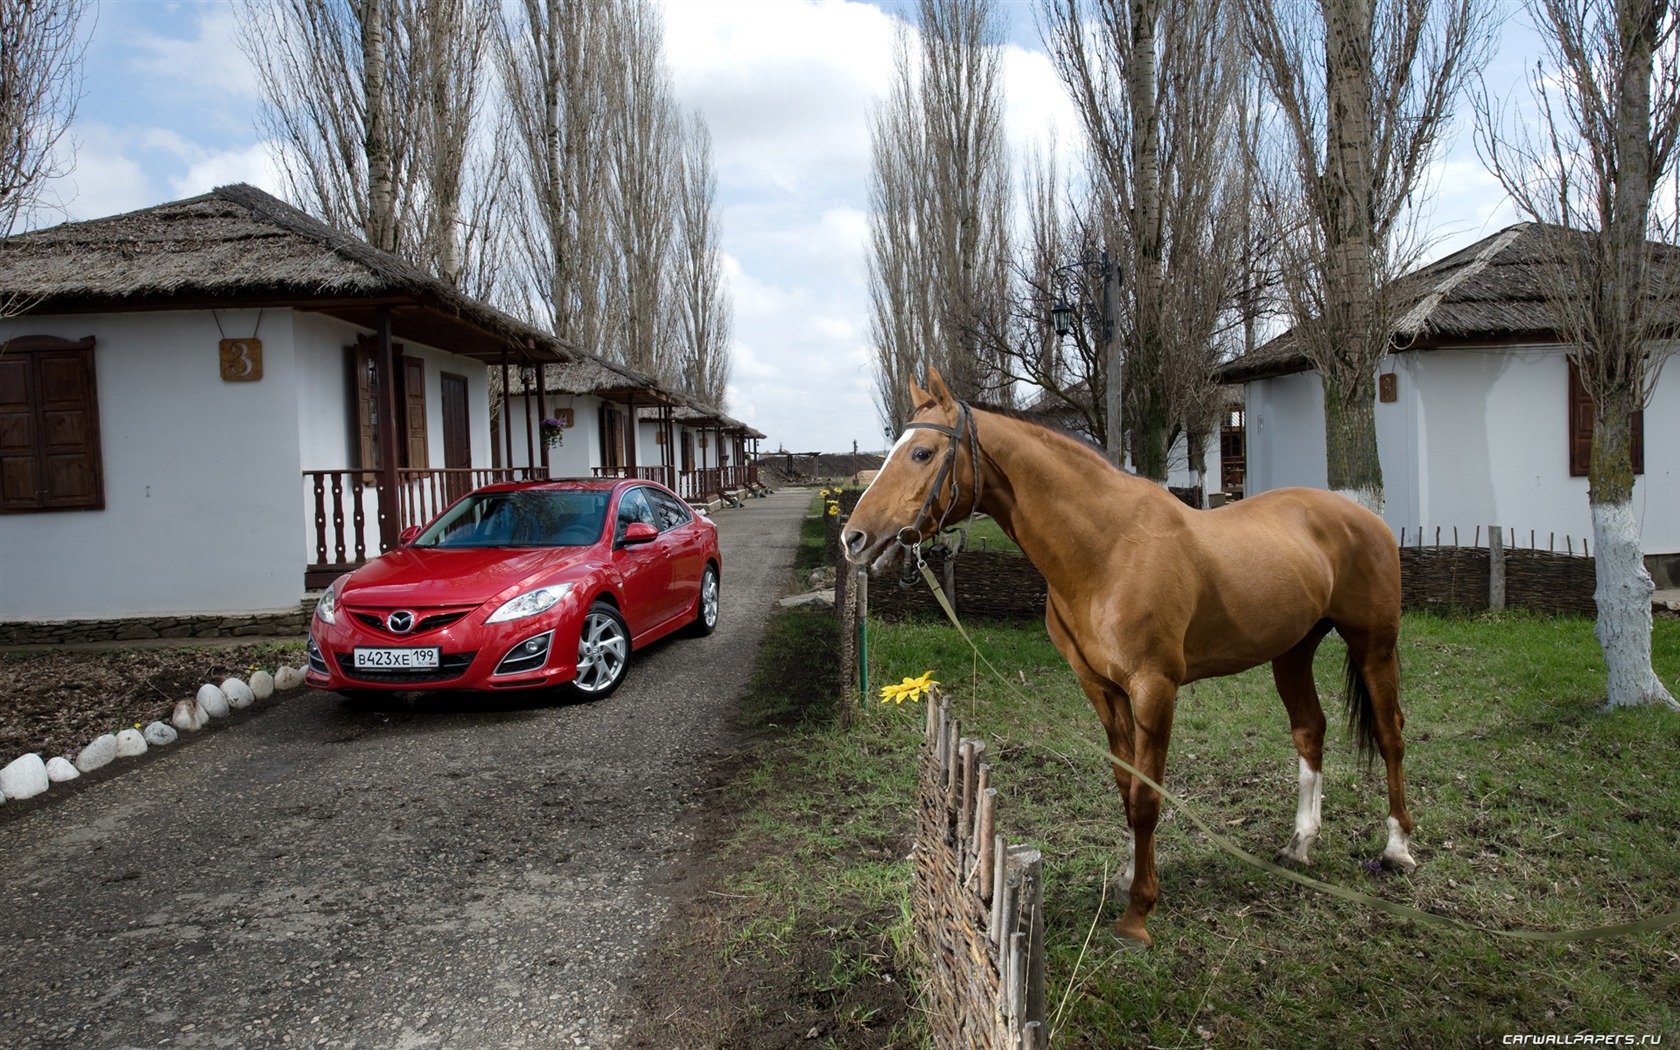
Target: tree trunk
{"x":381,"y":228}
{"x":1350,"y":441}
{"x":1350,"y":427}
{"x":1624,"y":586}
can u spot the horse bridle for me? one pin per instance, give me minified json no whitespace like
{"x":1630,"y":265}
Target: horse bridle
{"x":910,"y":536}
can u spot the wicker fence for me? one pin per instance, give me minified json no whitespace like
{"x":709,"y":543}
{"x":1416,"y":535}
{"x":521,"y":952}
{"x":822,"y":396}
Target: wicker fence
{"x":977,"y":904}
{"x":1002,"y":585}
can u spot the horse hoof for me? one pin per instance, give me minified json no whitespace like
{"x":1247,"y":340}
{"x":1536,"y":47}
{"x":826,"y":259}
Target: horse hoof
{"x":1132,"y":935}
{"x":1403,"y":863}
{"x":1289,"y":859}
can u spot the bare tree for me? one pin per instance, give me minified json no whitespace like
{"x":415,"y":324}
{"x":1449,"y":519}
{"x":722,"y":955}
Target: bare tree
{"x":704,"y":313}
{"x":1361,"y":92}
{"x":642,"y":157}
{"x":373,"y":104}
{"x":1156,"y":86}
{"x":557,"y":70}
{"x":1068,"y":368}
{"x":939,"y":208}
{"x":40,"y":84}
{"x":1609,"y":100}
{"x":902,"y":314}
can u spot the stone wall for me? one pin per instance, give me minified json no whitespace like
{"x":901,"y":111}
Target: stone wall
{"x":281,"y":623}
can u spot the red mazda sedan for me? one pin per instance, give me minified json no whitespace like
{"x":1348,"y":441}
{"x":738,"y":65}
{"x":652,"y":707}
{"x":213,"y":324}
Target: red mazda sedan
{"x":521,"y":585}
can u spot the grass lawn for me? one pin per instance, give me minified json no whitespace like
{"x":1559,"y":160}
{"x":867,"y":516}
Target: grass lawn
{"x":1533,"y":811}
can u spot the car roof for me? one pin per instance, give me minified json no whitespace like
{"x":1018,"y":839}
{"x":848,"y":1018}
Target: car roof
{"x":581,"y":484}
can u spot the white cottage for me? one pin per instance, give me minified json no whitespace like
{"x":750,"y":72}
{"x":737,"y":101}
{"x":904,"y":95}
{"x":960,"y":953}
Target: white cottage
{"x":606,"y":420}
{"x":1480,"y":417}
{"x":192,"y":407}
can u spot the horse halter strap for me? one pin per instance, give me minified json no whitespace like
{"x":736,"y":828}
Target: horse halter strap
{"x":910,"y":535}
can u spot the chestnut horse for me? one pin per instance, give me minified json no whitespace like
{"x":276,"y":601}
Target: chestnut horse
{"x":1147,"y":594}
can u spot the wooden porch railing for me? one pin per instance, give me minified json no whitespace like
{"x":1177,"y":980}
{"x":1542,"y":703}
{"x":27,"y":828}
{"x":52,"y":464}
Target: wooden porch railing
{"x":345,"y":507}
{"x":690,"y":484}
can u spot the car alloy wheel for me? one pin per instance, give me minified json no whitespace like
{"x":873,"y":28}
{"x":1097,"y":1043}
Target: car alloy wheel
{"x":603,"y":652}
{"x":706,"y":617}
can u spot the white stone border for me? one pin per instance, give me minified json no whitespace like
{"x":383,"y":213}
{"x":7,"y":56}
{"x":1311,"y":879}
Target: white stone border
{"x":28,"y":775}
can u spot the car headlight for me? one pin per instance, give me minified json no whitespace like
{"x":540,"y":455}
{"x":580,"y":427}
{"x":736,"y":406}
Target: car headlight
{"x":530,"y":603}
{"x":327,"y":608}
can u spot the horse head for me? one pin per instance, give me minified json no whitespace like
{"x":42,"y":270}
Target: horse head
{"x":930,"y":478}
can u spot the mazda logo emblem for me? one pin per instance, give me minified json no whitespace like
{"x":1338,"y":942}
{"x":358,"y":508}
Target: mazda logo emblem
{"x":400,"y":622}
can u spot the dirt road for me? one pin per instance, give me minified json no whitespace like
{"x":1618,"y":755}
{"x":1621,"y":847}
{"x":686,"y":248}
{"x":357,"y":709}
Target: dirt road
{"x":425,"y":873}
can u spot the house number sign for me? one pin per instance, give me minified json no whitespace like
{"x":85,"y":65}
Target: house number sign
{"x":241,"y":360}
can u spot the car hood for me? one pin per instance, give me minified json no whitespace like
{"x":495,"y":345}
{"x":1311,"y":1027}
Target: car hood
{"x":420,"y":576}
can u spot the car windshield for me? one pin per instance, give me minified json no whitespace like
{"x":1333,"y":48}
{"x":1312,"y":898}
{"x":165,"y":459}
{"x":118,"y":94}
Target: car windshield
{"x":525,"y":518}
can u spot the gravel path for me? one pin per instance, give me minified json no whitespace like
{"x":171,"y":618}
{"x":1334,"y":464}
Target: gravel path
{"x":423,"y":873}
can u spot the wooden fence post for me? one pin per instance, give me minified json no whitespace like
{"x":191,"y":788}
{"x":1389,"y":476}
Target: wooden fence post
{"x":1496,"y":568}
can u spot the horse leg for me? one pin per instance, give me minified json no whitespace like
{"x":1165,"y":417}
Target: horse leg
{"x":1152,"y":710}
{"x":1375,"y":656}
{"x":1115,"y":713}
{"x":1293,"y":674}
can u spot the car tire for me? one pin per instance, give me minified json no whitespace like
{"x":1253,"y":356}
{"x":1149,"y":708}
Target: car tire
{"x":603,"y":657}
{"x":706,"y":608}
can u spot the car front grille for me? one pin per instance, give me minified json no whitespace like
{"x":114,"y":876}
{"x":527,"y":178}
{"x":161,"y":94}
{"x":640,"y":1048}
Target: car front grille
{"x":432,"y":622}
{"x":452,"y":665}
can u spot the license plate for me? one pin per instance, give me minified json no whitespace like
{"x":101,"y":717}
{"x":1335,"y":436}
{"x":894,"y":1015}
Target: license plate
{"x":422,"y":659}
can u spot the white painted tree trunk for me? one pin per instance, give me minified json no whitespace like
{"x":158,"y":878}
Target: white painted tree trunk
{"x":1624,"y":609}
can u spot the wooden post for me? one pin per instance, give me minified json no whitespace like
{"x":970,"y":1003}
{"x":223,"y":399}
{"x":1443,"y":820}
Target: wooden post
{"x":390,"y":517}
{"x":542,"y":414}
{"x":1496,"y":568}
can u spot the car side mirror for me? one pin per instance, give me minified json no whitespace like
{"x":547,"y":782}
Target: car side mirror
{"x":408,"y":535}
{"x":638,"y":532}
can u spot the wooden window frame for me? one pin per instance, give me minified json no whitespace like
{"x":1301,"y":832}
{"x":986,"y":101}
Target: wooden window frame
{"x":31,"y":354}
{"x":1580,"y":419}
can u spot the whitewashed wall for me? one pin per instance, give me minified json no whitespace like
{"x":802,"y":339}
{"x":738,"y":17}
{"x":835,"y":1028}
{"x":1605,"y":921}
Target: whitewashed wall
{"x":1475,"y":438}
{"x":206,"y":508}
{"x":578,"y":452}
{"x":202,"y":478}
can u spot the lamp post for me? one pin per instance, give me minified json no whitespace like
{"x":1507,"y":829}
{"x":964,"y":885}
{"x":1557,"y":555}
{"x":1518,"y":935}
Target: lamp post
{"x":1062,"y":322}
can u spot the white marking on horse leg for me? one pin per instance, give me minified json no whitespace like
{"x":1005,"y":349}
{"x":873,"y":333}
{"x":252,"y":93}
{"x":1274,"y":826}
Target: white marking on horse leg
{"x":1397,"y":855}
{"x":1124,"y":883}
{"x":1308,"y":807}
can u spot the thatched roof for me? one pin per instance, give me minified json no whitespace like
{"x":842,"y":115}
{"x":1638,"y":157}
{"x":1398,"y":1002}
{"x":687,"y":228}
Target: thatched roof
{"x":237,"y":246}
{"x":1493,"y":292}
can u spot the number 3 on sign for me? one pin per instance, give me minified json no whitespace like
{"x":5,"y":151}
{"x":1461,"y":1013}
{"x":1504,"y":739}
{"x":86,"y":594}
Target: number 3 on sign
{"x":241,"y":360}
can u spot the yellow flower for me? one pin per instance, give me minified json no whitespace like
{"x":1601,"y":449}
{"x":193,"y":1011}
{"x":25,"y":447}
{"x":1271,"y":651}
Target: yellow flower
{"x":911,"y":689}
{"x":833,"y":509}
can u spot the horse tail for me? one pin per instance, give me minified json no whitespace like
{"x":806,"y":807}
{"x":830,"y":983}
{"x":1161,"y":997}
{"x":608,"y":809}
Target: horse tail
{"x":1361,"y":714}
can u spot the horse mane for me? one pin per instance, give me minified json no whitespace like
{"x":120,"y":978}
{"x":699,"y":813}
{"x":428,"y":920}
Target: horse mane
{"x":1073,"y":438}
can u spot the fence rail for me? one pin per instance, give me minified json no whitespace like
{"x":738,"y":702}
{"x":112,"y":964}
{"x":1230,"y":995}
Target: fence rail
{"x":977,"y":903}
{"x":344,"y":508}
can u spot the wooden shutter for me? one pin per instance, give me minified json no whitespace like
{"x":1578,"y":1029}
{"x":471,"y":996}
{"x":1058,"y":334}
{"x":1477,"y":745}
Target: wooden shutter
{"x":1581,"y":428}
{"x":50,"y":457}
{"x":414,"y":413}
{"x":20,"y":467}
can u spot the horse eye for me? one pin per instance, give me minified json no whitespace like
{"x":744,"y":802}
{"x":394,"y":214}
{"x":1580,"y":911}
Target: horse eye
{"x":921,"y":455}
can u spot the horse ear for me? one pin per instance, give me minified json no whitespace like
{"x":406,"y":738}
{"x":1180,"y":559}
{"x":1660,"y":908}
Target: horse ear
{"x":919,"y":398}
{"x":940,"y":392}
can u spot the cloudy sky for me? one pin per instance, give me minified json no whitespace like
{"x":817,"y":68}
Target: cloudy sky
{"x":786,"y":85}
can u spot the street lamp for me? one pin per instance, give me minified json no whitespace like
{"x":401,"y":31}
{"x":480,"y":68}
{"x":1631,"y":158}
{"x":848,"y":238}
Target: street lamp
{"x":1061,"y":314}
{"x":1061,"y":318}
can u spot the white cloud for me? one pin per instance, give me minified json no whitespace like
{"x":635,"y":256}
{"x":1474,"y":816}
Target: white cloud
{"x":207,"y":65}
{"x":108,"y":176}
{"x":208,"y":169}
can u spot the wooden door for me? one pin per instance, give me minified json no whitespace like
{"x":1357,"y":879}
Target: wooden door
{"x":457,"y":433}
